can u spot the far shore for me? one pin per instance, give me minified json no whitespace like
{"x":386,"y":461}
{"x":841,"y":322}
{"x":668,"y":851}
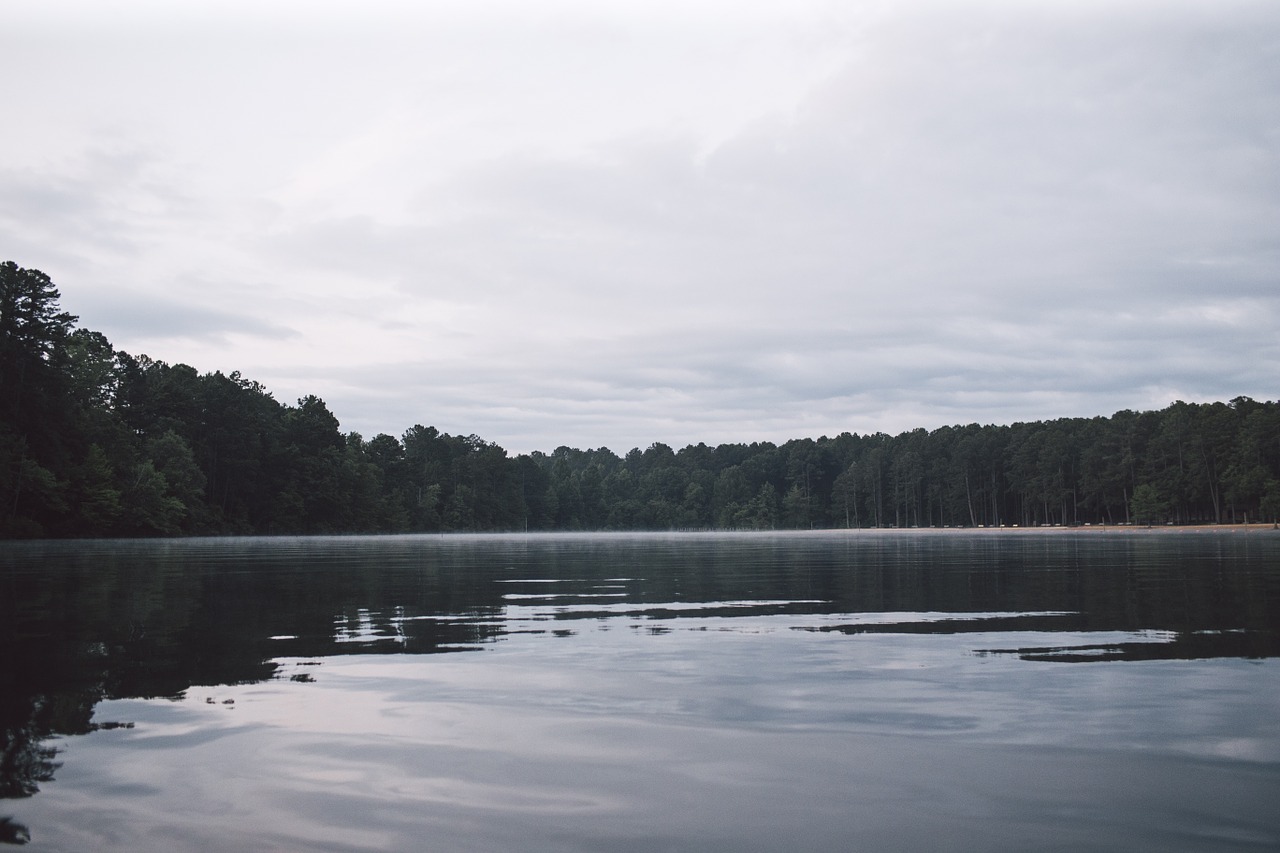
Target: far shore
{"x":1253,"y":527}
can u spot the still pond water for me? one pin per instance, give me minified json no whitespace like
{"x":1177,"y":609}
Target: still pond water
{"x":868,"y":691}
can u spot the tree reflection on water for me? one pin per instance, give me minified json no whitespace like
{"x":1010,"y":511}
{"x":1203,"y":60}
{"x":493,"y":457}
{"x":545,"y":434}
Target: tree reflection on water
{"x":84,"y":622}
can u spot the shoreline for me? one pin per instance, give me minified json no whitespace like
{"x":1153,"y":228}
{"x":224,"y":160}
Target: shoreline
{"x":1251,"y":528}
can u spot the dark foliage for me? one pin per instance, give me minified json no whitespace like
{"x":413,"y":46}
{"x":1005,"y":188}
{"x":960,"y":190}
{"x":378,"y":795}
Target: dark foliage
{"x":96,"y":442}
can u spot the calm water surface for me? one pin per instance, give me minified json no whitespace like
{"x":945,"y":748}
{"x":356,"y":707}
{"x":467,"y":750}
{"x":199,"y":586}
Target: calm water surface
{"x":868,"y":691}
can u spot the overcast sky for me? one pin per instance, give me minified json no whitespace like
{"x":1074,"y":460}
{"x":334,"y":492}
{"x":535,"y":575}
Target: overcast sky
{"x":610,"y":223}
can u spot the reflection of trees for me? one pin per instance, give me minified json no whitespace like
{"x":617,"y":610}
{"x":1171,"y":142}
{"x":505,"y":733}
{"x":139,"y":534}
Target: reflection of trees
{"x":1196,"y":589}
{"x":12,"y":832}
{"x":80,"y":623}
{"x":25,"y":761}
{"x":154,"y":619}
{"x":1183,"y":646}
{"x":88,"y":621}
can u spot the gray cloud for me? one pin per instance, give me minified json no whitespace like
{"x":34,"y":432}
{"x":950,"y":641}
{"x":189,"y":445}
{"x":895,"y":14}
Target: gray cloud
{"x":572,"y":230}
{"x":123,"y":315}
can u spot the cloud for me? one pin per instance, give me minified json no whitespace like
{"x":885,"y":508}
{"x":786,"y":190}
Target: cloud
{"x":155,"y":320}
{"x":625,"y":224}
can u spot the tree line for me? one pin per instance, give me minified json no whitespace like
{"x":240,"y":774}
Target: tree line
{"x":97,"y":442}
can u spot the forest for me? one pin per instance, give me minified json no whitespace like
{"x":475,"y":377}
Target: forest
{"x":96,"y":442}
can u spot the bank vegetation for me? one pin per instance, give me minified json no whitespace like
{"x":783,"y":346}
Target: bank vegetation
{"x":98,"y":442}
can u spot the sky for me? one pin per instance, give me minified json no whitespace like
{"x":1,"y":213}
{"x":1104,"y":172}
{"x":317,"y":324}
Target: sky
{"x":612,"y":223}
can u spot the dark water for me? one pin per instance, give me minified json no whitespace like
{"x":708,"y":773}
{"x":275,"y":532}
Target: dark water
{"x":895,"y":691}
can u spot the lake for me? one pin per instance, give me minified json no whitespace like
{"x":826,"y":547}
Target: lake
{"x":896,"y":690}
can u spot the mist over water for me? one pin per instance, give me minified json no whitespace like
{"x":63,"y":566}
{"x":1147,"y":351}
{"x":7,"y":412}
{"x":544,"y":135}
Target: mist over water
{"x":896,"y":690}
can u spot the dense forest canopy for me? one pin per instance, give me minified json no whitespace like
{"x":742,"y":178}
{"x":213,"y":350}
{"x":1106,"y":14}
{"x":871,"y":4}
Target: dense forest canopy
{"x":98,"y":442}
